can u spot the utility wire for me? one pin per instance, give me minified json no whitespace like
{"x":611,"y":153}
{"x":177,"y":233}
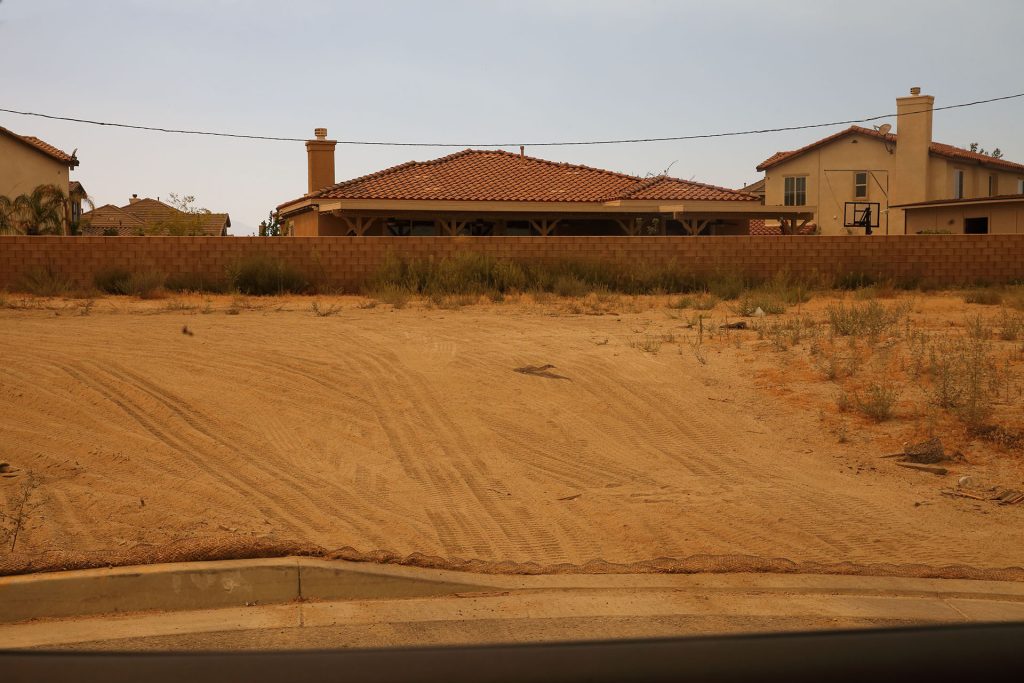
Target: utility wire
{"x":704,"y":136}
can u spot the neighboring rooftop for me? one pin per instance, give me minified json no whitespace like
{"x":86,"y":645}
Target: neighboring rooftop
{"x":111,"y":218}
{"x":140,"y":215}
{"x":936,"y":148}
{"x":494,"y":175}
{"x":44,"y":147}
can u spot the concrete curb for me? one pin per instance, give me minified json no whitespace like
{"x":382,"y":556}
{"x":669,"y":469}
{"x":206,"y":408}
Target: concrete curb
{"x":210,"y":585}
{"x":189,"y":586}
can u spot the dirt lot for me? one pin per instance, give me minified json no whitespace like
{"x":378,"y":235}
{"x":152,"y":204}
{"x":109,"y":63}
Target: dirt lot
{"x":195,"y":427}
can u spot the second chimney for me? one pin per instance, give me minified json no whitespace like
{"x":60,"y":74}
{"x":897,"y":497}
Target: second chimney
{"x":320,"y":157}
{"x":909,"y":177}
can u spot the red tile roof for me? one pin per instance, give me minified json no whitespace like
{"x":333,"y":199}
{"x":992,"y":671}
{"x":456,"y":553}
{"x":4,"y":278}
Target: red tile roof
{"x":145,"y":214}
{"x":758,"y":227}
{"x":46,"y":148}
{"x":957,"y":153}
{"x":109,"y":217}
{"x":494,"y":175}
{"x":936,"y":148}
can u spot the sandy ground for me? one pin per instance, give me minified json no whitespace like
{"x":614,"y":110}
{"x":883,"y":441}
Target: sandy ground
{"x":409,"y":432}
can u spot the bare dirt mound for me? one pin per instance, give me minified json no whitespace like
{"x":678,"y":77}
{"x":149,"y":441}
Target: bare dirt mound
{"x":277,"y":432}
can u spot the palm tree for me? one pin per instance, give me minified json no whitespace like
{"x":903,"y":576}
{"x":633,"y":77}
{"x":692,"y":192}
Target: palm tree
{"x":8,"y":222}
{"x":42,"y":211}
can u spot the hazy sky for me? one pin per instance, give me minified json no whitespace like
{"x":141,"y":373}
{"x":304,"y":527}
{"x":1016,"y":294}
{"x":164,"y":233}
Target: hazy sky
{"x":480,"y":72}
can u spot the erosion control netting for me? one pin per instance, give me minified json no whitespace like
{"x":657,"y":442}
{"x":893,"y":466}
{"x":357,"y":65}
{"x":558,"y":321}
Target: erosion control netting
{"x":236,"y":549}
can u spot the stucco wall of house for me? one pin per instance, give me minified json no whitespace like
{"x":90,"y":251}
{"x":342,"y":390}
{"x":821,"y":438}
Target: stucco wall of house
{"x":1003,"y":219}
{"x":830,"y":173}
{"x":23,"y":169}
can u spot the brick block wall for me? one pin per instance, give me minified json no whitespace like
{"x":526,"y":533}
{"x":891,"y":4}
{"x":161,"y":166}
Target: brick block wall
{"x":347,"y":261}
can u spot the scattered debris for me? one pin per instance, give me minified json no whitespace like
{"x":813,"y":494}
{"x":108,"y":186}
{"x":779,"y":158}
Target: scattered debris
{"x":185,"y":330}
{"x":1009,"y":497}
{"x":964,"y":481}
{"x":924,"y":468}
{"x":758,"y":312}
{"x":572,"y":497}
{"x":926,"y":452}
{"x":539,"y":371}
{"x":740,"y":325}
{"x":963,"y":494}
{"x":1000,"y":496}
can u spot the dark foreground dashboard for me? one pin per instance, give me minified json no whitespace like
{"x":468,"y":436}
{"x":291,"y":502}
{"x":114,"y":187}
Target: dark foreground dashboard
{"x":965,"y":653}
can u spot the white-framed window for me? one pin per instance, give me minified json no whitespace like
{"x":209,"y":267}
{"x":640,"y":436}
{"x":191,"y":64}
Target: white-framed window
{"x":992,"y":184}
{"x":958,"y":184}
{"x":860,"y":185}
{"x":795,"y":193}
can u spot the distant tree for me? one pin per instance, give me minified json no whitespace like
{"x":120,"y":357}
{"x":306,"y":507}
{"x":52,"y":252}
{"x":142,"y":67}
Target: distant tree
{"x":995,"y":154}
{"x":188,"y":220}
{"x":272,"y":226}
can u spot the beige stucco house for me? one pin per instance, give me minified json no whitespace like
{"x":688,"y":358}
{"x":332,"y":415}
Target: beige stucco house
{"x":493,"y":192}
{"x":862,"y":177}
{"x":1000,"y":214}
{"x":26,"y":162}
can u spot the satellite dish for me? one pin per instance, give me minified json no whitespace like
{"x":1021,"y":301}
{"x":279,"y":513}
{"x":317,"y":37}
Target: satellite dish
{"x":884,"y":128}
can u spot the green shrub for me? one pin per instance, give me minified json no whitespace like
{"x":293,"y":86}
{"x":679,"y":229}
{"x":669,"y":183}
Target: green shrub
{"x":261,"y":275}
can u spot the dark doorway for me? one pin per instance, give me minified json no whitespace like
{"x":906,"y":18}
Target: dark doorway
{"x":976,"y":226}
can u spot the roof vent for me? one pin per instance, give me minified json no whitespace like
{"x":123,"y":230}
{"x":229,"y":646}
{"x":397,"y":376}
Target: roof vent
{"x":916,"y":90}
{"x":321,"y":133}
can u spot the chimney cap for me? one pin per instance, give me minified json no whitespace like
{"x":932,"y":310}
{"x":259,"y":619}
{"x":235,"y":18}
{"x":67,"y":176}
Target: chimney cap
{"x":916,"y":90}
{"x":320,"y":133}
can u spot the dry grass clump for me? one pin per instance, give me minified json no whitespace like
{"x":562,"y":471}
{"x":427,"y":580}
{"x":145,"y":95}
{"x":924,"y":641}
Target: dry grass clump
{"x":261,"y":275}
{"x":481,"y":275}
{"x":787,"y":333}
{"x":45,"y":281}
{"x":871,"y":319}
{"x":146,"y":284}
{"x":703,"y":301}
{"x":878,"y":400}
{"x":986,"y":296}
{"x":324,"y":311}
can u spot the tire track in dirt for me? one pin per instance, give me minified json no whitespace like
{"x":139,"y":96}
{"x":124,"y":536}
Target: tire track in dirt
{"x":302,"y":489}
{"x":521,"y":529}
{"x":454,"y":531}
{"x":231,"y":482}
{"x":406,"y":447}
{"x":673,"y":434}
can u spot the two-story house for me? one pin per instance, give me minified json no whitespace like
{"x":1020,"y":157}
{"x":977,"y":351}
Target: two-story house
{"x":863,"y":180}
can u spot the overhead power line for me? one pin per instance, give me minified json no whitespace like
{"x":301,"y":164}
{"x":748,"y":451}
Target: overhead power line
{"x":382,"y":143}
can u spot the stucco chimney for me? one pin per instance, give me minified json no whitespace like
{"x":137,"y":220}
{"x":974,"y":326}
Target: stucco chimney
{"x":909,"y":182}
{"x":134,"y":198}
{"x":320,"y":157}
